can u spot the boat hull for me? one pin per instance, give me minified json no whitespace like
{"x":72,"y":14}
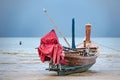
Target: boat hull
{"x":75,"y":63}
{"x":75,"y":59}
{"x":66,"y":70}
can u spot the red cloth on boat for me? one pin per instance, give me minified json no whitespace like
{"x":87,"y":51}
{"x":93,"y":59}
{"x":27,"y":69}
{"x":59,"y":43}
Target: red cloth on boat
{"x":50,"y":48}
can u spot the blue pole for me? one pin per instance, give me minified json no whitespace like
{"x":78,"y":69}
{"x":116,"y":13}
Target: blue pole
{"x":73,"y":34}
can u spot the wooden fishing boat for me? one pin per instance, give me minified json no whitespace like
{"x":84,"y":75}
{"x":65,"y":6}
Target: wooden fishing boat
{"x":78,"y":58}
{"x":77,"y":61}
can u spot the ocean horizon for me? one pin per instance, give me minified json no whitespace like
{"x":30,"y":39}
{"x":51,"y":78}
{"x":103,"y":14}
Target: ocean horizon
{"x":28,"y":44}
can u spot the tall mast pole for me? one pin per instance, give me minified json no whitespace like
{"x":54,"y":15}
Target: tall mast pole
{"x":56,"y":26}
{"x":73,"y":34}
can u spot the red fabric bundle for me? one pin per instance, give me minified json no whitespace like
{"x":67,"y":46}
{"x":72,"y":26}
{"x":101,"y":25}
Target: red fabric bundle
{"x":50,"y":48}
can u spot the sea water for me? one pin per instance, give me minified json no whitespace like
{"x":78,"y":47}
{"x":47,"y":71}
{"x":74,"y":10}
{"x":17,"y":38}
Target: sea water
{"x":107,"y":45}
{"x":19,"y":58}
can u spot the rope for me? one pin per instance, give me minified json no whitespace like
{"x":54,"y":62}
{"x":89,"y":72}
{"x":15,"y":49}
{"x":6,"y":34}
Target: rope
{"x":56,"y":27}
{"x":117,"y":50}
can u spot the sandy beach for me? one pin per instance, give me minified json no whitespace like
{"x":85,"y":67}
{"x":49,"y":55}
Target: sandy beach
{"x":21,"y":65}
{"x":44,"y":75}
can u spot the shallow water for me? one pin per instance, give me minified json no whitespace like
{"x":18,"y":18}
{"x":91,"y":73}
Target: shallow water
{"x":18,"y":59}
{"x":27,"y":66}
{"x":22,"y":61}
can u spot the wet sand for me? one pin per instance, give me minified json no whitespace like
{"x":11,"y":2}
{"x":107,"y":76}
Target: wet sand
{"x":43,"y":75}
{"x":21,"y":65}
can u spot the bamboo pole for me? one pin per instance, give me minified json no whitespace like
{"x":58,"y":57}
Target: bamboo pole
{"x":56,"y":26}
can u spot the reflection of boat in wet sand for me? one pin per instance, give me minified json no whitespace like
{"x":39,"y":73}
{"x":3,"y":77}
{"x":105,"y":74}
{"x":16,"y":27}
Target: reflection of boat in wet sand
{"x":76,"y":59}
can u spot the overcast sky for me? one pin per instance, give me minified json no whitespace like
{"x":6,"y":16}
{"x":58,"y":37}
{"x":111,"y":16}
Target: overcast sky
{"x":25,"y":18}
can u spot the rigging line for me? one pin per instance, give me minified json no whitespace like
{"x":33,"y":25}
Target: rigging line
{"x":117,"y":50}
{"x":56,"y":26}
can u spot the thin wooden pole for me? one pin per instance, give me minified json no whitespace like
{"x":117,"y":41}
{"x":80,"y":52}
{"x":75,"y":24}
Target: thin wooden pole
{"x":56,"y":26}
